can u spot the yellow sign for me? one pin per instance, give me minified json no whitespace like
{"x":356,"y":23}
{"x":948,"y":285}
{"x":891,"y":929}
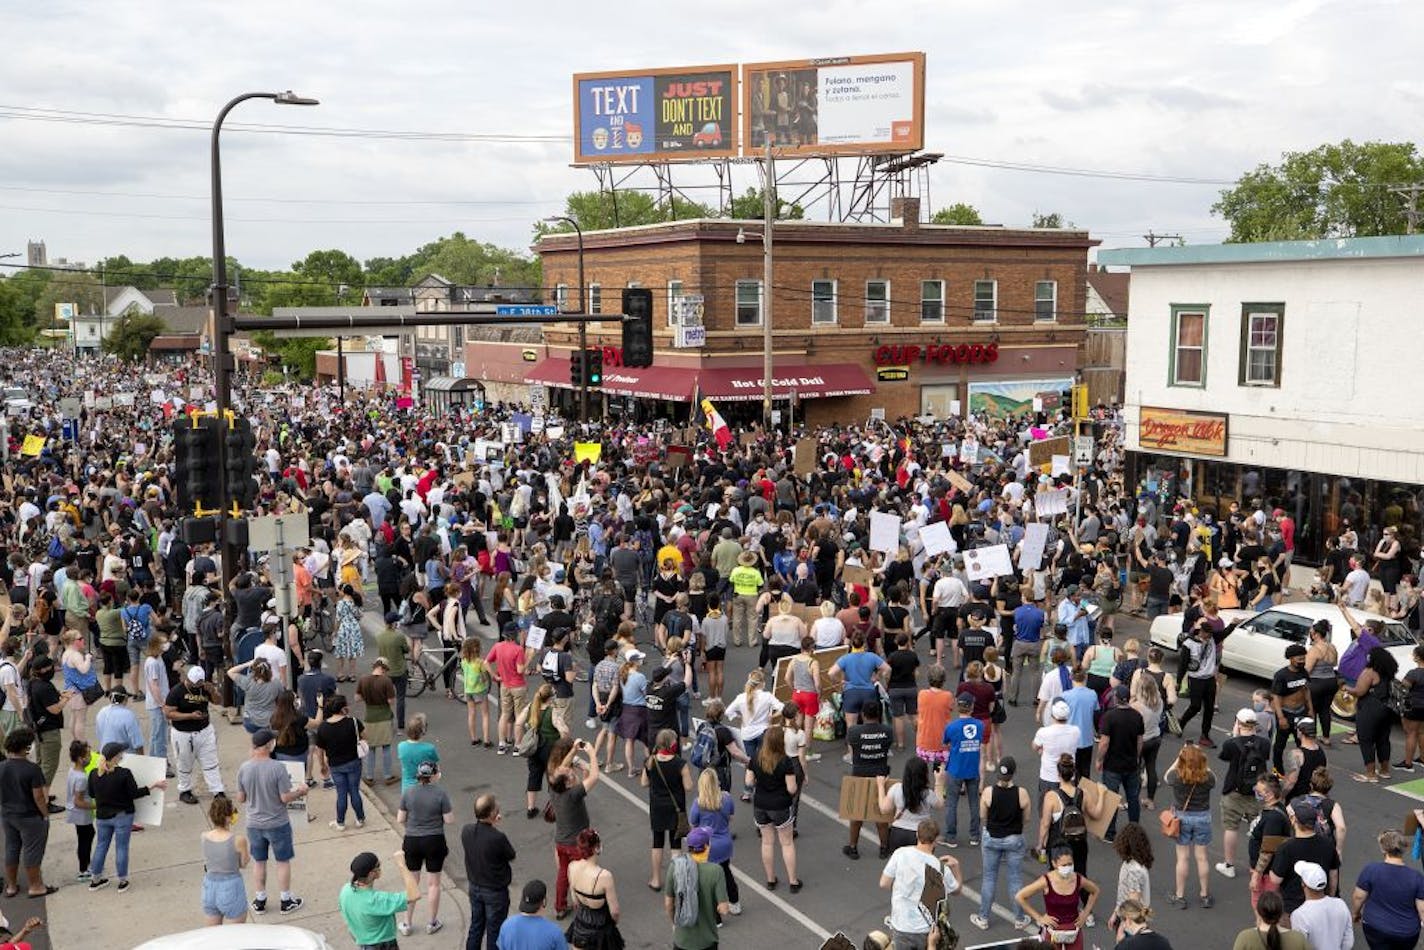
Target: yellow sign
{"x":892,"y":374}
{"x":530,"y":356}
{"x":1178,"y":430}
{"x":34,"y":445}
{"x":588,"y":451}
{"x":1080,"y":402}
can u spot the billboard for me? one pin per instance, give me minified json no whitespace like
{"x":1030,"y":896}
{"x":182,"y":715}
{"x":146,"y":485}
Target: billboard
{"x":850,"y":104}
{"x":656,"y":115}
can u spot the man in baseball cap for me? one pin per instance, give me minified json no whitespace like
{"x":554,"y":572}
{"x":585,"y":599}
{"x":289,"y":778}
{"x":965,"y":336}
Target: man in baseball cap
{"x":529,"y":928}
{"x":690,"y":872}
{"x":1324,"y":920}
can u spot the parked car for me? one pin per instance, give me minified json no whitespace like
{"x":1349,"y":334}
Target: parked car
{"x":17,"y":400}
{"x":1258,"y":644}
{"x":240,"y":937}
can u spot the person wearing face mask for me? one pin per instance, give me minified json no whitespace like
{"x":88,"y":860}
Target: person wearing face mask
{"x":1273,"y":821}
{"x":1068,"y":899}
{"x":1290,"y":699}
{"x":1246,"y":755}
{"x":1134,"y":928}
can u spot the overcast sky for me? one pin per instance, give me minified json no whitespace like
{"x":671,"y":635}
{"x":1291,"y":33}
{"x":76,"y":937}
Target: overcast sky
{"x":1201,"y":90}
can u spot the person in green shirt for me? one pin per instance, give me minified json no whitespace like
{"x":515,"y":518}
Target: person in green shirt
{"x":392,"y":644}
{"x":746,"y":581}
{"x":712,"y":903}
{"x":370,"y":914}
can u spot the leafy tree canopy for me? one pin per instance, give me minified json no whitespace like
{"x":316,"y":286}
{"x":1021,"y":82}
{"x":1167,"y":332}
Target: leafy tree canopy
{"x":957,"y":213}
{"x":131,"y":335}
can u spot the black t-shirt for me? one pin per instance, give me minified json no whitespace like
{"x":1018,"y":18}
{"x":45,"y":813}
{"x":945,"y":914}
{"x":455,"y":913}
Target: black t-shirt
{"x":1314,"y":849}
{"x":249,"y":603}
{"x":1122,"y":725}
{"x":1414,"y":679}
{"x":43,"y":694}
{"x":869,"y":748}
{"x":1288,"y":681}
{"x":1233,"y":753}
{"x":662,"y":705}
{"x":1147,"y":940}
{"x":188,"y":699}
{"x":1272,"y":822}
{"x":18,"y":780}
{"x":903,"y":664}
{"x":1249,"y":554}
{"x":1159,"y":581}
{"x":973,"y":641}
{"x":338,"y":740}
{"x":771,"y":793}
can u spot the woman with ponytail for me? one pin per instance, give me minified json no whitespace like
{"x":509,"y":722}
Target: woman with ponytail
{"x":1267,"y":934}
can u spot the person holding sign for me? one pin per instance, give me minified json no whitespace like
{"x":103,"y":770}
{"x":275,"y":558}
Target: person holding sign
{"x":904,"y":877}
{"x":113,"y":790}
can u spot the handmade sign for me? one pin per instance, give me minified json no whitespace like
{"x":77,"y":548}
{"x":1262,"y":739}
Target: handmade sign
{"x":860,"y":800}
{"x":982,"y":564}
{"x":937,"y":539}
{"x":884,"y":532}
{"x":825,"y":659}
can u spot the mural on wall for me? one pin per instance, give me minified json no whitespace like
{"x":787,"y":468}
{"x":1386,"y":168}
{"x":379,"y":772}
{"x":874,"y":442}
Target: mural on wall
{"x":1015,"y":397}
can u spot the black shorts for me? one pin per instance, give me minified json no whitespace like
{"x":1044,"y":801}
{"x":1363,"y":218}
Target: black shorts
{"x":715,"y":654}
{"x":775,"y":818}
{"x":904,"y":701}
{"x":116,"y":659}
{"x":425,"y":851}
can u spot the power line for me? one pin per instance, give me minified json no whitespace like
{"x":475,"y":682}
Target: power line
{"x":297,"y":201}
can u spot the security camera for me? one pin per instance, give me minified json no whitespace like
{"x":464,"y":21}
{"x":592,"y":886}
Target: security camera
{"x":741,"y":235}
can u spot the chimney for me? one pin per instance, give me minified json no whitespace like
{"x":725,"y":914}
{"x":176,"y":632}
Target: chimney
{"x":905,"y":211}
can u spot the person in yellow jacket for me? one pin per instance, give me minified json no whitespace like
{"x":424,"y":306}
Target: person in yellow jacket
{"x":746,"y":581}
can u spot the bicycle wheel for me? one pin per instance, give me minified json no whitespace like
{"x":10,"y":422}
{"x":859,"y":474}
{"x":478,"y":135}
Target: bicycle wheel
{"x":419,"y":677}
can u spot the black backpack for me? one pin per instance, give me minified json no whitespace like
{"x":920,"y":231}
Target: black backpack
{"x":1072,"y":824}
{"x":1255,"y":761}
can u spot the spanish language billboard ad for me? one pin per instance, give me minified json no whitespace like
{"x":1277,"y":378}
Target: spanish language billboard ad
{"x":849,"y":104}
{"x":655,"y":115}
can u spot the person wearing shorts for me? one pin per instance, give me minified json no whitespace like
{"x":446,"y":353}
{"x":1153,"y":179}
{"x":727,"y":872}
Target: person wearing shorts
{"x":425,"y":810}
{"x":507,"y":661}
{"x":806,"y":680}
{"x":225,"y":853}
{"x":265,"y":786}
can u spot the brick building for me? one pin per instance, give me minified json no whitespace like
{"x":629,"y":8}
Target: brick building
{"x":904,"y":317}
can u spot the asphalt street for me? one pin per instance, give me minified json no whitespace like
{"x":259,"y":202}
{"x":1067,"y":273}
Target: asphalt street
{"x":842,"y":894}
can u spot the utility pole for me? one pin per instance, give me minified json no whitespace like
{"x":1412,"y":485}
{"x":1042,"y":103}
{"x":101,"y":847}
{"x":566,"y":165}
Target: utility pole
{"x":768,"y":216}
{"x":1412,"y":212}
{"x":1152,"y":237}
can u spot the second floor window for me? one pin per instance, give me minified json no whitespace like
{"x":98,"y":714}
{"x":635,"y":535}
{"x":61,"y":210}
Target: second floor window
{"x":1045,"y":300}
{"x":986,"y":303}
{"x":931,"y":301}
{"x":823,"y":301}
{"x":595,"y":298}
{"x":748,"y":303}
{"x":877,"y":301}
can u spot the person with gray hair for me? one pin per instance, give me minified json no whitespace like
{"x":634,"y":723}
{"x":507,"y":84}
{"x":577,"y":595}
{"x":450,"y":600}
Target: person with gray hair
{"x":1387,"y":896}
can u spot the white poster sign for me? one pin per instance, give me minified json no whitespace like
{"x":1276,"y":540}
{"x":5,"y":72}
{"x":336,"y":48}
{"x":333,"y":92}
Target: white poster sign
{"x":982,"y":564}
{"x":1046,"y":504}
{"x":1031,"y":548}
{"x":534,"y":639}
{"x":969,"y":450}
{"x":937,"y":539}
{"x":1060,"y":466}
{"x":146,"y":770}
{"x":884,"y":532}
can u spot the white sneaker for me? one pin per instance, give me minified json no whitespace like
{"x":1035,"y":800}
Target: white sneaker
{"x":335,"y":826}
{"x":404,"y":928}
{"x":1225,"y":870}
{"x":590,"y":724}
{"x":736,"y":908}
{"x":360,"y":822}
{"x":979,"y":921}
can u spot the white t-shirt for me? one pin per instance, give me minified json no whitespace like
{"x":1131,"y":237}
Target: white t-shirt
{"x":828,"y":632}
{"x":907,"y":868}
{"x":949,"y":591}
{"x":1054,"y":740}
{"x":1049,"y":689}
{"x":10,"y":676}
{"x":153,"y":672}
{"x":276,"y":658}
{"x":1357,"y":585}
{"x":1325,"y":922}
{"x":795,"y":741}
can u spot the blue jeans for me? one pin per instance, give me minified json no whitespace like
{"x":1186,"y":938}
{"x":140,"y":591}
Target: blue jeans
{"x":952,"y":788}
{"x":157,"y":734}
{"x":116,"y":830}
{"x":385,"y":752}
{"x":348,"y":790}
{"x":1009,"y":851}
{"x":1129,"y":786}
{"x":488,"y":909}
{"x":684,"y":714}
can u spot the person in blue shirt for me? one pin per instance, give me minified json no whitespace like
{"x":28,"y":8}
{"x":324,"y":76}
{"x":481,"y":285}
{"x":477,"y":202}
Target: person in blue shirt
{"x":116,"y":723}
{"x":1082,"y":707}
{"x":963,"y":738}
{"x":859,"y":670}
{"x":529,"y":930}
{"x":1073,"y":614}
{"x":1023,"y":655}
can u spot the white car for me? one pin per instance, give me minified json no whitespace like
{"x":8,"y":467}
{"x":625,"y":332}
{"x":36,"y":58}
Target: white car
{"x":17,"y":400}
{"x":1258,"y":644}
{"x":240,"y":937}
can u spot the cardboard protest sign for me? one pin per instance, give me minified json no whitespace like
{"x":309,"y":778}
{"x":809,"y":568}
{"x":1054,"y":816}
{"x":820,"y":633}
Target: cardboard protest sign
{"x":806,"y":450}
{"x":678,"y":456}
{"x":937,"y":539}
{"x":1047,"y":504}
{"x":1109,"y":800}
{"x":860,"y":800}
{"x":1059,"y":465}
{"x":34,"y":445}
{"x":960,"y":482}
{"x":1041,"y":453}
{"x":825,"y":659}
{"x":855,"y":574}
{"x":1031,"y":551}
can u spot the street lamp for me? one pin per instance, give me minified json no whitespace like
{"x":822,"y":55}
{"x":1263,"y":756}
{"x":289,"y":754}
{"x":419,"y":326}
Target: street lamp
{"x":583,"y":327}
{"x":222,"y":323}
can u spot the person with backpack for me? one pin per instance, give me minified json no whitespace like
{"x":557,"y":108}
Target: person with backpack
{"x":1304,"y":845}
{"x":695,"y":895}
{"x":137,"y":618}
{"x":1064,"y":813}
{"x":1191,"y":782}
{"x":1247,"y":758}
{"x":1330,"y":817}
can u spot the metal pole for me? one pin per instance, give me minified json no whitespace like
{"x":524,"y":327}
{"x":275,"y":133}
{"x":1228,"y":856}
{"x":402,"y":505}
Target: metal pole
{"x":768,"y":216}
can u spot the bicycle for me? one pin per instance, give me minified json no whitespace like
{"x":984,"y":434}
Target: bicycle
{"x":429,"y":671}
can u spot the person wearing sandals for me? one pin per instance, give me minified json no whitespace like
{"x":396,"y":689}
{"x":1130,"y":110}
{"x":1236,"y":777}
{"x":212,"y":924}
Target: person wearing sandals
{"x":1191,"y":782}
{"x":667,"y":798}
{"x":595,"y":898}
{"x":475,"y":674}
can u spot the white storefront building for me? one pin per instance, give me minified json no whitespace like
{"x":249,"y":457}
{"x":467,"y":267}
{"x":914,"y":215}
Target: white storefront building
{"x":1288,"y":372}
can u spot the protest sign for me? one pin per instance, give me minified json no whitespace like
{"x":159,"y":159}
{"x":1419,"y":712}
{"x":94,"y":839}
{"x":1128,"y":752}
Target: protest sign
{"x":937,"y":539}
{"x":982,"y":564}
{"x":884,"y":532}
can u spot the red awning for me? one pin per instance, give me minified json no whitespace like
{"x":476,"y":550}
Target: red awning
{"x":744,"y":384}
{"x":649,"y":382}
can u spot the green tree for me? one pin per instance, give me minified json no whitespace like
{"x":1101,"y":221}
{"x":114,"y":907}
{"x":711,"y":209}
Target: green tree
{"x":602,"y":210}
{"x":389,"y":271}
{"x":190,"y":277}
{"x":1333,"y":190}
{"x":333,"y":267}
{"x":752,"y":205}
{"x":131,"y":335}
{"x":957,"y":213}
{"x":297,"y":354}
{"x":17,"y":310}
{"x":1050,"y":220}
{"x":464,"y":260}
{"x":76,"y":287}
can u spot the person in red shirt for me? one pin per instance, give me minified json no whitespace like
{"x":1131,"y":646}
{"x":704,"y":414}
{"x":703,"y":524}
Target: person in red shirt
{"x":508,"y":660}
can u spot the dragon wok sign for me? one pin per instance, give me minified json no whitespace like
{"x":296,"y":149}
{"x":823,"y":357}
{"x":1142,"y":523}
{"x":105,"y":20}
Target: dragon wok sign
{"x":1178,"y":430}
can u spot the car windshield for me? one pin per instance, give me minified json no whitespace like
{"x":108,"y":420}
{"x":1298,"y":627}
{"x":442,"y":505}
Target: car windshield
{"x":1396,"y":635}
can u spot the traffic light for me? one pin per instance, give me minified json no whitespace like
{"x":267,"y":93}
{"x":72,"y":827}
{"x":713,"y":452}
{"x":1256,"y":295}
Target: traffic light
{"x":241,"y":462}
{"x":637,"y":327}
{"x":593,"y":366}
{"x":196,"y":473}
{"x":576,"y":367}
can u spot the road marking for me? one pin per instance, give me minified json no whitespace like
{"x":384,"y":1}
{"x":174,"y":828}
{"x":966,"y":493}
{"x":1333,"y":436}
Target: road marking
{"x":965,"y":889}
{"x":746,"y":880}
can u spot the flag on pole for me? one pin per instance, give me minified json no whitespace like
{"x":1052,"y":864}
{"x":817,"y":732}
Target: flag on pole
{"x":717,"y":424}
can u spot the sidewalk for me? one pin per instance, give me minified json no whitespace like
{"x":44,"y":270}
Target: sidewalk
{"x":167,"y":870}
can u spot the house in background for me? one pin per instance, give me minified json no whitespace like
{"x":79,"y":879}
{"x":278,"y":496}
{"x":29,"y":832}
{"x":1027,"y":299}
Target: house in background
{"x":91,"y":329}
